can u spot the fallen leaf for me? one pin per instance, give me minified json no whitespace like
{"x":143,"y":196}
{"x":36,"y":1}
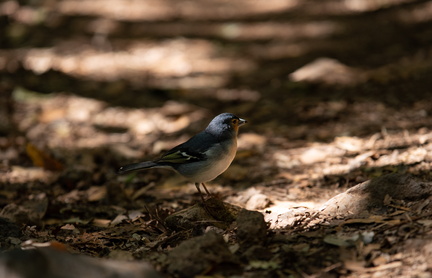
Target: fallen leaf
{"x":42,"y":159}
{"x":70,"y":227}
{"x":119,"y":218}
{"x":103,"y":223}
{"x":96,"y":193}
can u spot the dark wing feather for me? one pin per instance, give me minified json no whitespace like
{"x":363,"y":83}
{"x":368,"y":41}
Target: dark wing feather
{"x":190,"y":151}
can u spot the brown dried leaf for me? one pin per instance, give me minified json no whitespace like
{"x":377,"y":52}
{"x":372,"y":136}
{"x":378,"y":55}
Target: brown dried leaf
{"x":42,"y":159}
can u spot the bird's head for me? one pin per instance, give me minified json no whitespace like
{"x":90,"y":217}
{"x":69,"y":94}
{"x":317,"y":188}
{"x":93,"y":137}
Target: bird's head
{"x":225,"y":123}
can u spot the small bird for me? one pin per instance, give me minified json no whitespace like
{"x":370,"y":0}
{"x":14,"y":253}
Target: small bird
{"x":204,"y":156}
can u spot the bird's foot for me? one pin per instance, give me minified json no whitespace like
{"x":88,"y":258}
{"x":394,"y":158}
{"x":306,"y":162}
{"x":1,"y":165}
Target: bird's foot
{"x":197,"y":185}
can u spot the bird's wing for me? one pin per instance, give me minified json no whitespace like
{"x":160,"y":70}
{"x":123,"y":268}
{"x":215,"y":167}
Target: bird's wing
{"x":181,"y":156}
{"x":190,"y":151}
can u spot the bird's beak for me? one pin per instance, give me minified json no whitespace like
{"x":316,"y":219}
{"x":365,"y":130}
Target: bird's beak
{"x":242,"y":122}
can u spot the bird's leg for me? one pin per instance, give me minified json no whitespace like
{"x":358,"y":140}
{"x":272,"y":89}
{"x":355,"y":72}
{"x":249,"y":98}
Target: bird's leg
{"x":206,"y":190}
{"x":197,"y":185}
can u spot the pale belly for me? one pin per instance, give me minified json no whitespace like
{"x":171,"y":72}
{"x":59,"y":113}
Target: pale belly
{"x":209,"y":171}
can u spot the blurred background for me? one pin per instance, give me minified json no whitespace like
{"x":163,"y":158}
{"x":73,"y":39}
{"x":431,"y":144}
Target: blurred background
{"x":264,"y":59}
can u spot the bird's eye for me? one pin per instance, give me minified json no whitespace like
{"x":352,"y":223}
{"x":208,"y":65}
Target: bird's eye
{"x":234,"y":121}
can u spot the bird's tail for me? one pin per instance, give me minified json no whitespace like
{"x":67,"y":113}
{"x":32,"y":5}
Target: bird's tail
{"x":137,"y":166}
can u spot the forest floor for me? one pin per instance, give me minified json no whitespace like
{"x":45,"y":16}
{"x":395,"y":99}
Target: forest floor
{"x":332,"y":174}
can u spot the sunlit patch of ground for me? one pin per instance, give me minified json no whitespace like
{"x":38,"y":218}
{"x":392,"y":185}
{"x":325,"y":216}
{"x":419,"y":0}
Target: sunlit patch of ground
{"x":76,"y":124}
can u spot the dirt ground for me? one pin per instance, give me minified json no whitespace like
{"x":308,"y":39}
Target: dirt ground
{"x":332,"y":174}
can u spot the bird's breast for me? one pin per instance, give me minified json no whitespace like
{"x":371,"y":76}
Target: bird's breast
{"x":219,"y":158}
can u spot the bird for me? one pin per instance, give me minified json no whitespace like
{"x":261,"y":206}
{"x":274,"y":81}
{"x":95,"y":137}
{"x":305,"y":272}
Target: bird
{"x":204,"y":156}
